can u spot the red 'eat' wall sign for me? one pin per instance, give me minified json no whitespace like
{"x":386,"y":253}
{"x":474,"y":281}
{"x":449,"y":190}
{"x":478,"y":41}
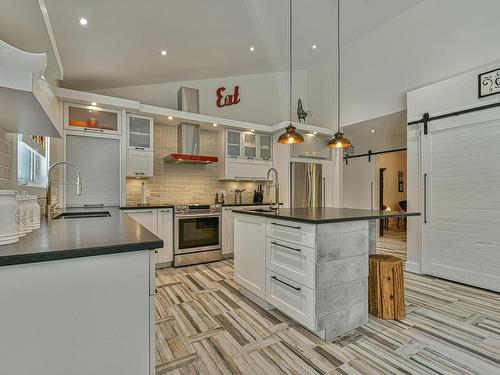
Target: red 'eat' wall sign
{"x":227,"y":100}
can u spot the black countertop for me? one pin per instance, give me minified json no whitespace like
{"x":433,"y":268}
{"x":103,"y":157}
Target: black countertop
{"x":75,"y":238}
{"x":152,"y":207}
{"x":324,"y":215}
{"x":155,"y":206}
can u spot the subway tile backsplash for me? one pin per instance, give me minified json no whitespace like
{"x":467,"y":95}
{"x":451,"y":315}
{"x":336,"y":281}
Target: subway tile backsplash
{"x":184,"y":183}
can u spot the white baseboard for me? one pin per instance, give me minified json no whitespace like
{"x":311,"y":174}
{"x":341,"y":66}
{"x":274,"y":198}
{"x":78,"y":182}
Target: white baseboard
{"x":413,"y":267}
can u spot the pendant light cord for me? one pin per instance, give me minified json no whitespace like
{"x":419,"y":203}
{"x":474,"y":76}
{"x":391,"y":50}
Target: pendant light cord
{"x":290,"y":77}
{"x":338,"y":65}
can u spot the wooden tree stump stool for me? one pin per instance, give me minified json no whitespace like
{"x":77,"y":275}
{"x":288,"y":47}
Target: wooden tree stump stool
{"x":386,"y":298}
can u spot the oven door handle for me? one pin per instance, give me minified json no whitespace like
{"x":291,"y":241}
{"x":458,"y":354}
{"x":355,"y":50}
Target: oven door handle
{"x":180,"y":216}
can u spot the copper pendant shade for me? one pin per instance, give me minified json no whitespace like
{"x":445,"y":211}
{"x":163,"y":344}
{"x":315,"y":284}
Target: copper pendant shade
{"x":290,"y":136}
{"x":339,"y":141}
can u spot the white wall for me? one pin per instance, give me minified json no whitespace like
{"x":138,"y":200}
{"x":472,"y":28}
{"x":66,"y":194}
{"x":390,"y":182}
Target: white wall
{"x":432,"y":41}
{"x":264,"y":97}
{"x":322,"y":92}
{"x":459,"y":92}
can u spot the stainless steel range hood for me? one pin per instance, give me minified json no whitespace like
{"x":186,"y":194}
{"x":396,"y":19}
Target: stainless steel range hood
{"x":188,"y":135}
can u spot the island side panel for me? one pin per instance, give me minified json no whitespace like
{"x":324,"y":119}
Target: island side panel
{"x":79,"y":316}
{"x":341,"y":276}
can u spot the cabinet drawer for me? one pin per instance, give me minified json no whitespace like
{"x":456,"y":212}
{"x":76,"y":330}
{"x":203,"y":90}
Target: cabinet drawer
{"x":291,"y":231}
{"x":291,"y":260}
{"x":292,"y":298}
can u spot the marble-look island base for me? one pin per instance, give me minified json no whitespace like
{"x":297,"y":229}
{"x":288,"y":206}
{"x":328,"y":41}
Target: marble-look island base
{"x":316,"y":272}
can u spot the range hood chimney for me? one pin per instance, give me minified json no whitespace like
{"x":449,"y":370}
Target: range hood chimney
{"x":188,"y":135}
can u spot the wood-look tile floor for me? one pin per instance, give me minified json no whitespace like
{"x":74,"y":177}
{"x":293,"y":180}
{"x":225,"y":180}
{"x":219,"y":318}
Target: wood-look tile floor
{"x":393,"y":242}
{"x":206,"y":326}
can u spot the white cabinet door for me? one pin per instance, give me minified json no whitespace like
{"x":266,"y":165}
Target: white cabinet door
{"x":249,"y":145}
{"x":147,"y":218}
{"x":460,"y":199}
{"x":250,"y":253}
{"x":140,"y":132}
{"x":139,"y":163}
{"x":295,"y":300}
{"x":166,"y":233}
{"x":90,"y":119}
{"x":227,"y":231}
{"x":238,"y":169}
{"x":265,"y":143}
{"x":233,"y":143}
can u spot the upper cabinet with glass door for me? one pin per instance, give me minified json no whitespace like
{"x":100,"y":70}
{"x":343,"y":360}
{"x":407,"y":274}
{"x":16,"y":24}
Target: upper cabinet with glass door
{"x":248,"y":145}
{"x":140,"y":132}
{"x":265,"y":143}
{"x":92,"y":119}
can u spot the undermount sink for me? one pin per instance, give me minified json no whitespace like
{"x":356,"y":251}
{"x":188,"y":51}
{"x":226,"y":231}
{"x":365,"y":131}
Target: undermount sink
{"x":82,"y":215}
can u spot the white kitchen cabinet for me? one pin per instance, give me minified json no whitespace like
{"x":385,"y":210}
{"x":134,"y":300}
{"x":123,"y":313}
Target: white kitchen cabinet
{"x":161,"y":223}
{"x":228,"y":227}
{"x":249,"y":145}
{"x":147,"y":218}
{"x":294,"y":299}
{"x":139,"y":132}
{"x":244,"y":169}
{"x":166,"y":233}
{"x":92,"y":119}
{"x":250,"y":253}
{"x":265,"y":145}
{"x":139,"y":163}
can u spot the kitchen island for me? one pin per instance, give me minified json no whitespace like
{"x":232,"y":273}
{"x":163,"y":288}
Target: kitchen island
{"x":310,"y":263}
{"x":77,"y":297}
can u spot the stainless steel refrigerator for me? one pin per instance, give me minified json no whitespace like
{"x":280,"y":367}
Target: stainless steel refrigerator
{"x":307,"y":185}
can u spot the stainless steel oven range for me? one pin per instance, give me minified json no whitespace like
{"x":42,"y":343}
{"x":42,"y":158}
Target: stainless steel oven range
{"x":197,"y":234}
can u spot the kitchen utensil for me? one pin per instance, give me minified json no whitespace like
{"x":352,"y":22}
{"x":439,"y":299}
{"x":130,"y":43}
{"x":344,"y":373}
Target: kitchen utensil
{"x":9,"y":227}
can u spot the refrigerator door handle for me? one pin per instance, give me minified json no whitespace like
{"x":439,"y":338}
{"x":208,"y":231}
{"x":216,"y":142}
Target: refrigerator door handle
{"x":324,"y":192}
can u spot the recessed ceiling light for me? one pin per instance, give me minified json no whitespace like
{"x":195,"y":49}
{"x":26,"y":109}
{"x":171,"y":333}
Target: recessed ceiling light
{"x":42,"y":77}
{"x":252,"y":48}
{"x":83,"y":21}
{"x":164,"y":53}
{"x":252,"y":130}
{"x":314,"y":46}
{"x":93,"y":104}
{"x":315,"y":133}
{"x":215,"y":124}
{"x":170,"y":117}
{"x":373,"y":131}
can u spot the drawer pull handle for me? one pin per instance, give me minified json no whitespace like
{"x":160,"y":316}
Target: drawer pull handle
{"x":286,"y":247}
{"x":291,"y":286}
{"x":287,"y":226}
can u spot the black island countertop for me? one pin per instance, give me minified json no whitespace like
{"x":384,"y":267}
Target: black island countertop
{"x":80,"y":237}
{"x":322,"y":215}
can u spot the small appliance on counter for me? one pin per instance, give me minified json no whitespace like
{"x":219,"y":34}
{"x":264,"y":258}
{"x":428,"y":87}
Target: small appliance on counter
{"x":197,"y":234}
{"x":238,"y":195}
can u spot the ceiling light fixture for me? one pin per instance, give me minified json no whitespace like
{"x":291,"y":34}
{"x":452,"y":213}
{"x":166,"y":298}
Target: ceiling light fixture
{"x":314,"y":46}
{"x":373,"y":131}
{"x":252,"y":48}
{"x":315,"y":133}
{"x":83,"y":21}
{"x":252,"y":130}
{"x":170,"y":117}
{"x":214,"y":124}
{"x":164,"y":53}
{"x":339,"y":141}
{"x":290,"y":136}
{"x":93,"y":104}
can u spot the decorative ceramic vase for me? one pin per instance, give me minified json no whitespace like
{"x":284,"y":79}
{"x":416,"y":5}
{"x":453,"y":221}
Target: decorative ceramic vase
{"x":24,"y":226}
{"x":9,"y":227}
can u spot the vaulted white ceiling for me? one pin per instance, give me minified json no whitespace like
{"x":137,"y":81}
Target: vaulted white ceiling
{"x":121,"y":44}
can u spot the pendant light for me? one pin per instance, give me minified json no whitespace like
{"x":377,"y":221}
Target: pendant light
{"x":339,"y":141}
{"x":290,"y":136}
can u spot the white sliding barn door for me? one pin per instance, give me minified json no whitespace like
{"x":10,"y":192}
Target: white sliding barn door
{"x":461,"y":198}
{"x":359,"y":181}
